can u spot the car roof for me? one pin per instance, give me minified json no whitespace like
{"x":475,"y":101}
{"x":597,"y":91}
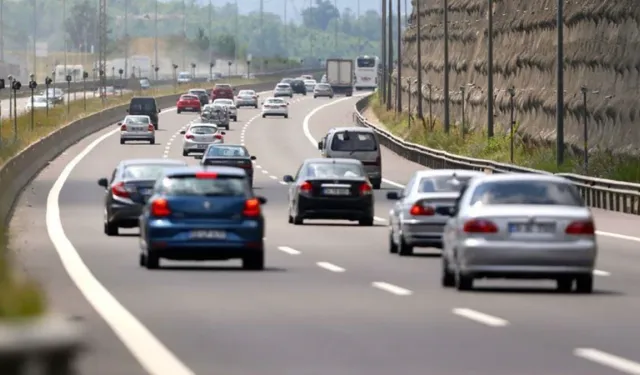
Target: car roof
{"x":447,"y":172}
{"x":202,"y":124}
{"x":129,"y":162}
{"x":274,"y":98}
{"x":519,"y":177}
{"x":332,"y":161}
{"x":283,"y":84}
{"x":352,"y":129}
{"x":226,"y":171}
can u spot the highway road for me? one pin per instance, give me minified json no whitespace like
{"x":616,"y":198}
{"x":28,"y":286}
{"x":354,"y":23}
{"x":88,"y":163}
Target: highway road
{"x":332,"y":300}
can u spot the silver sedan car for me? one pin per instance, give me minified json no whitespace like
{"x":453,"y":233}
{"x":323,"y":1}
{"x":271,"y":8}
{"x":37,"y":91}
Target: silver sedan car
{"x":283,"y":89}
{"x":322,"y":89}
{"x":247,"y":98}
{"x":199,"y":136}
{"x":137,"y":128}
{"x":523,"y":226}
{"x":418,"y":217}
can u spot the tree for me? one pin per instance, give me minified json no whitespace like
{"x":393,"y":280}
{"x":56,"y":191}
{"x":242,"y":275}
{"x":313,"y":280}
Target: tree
{"x":319,"y":16}
{"x":81,"y":25}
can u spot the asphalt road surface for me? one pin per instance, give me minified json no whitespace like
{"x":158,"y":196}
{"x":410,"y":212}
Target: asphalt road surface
{"x":332,"y":300}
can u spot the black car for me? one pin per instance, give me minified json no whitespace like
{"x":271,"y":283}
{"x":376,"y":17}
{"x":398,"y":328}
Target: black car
{"x":146,"y":106}
{"x":229,"y":155}
{"x":298,"y":87}
{"x":127,"y":191}
{"x":202,"y":94}
{"x":335,"y":189}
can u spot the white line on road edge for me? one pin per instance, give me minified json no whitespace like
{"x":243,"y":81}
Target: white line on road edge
{"x":391,"y":288}
{"x":330,"y":267}
{"x":601,"y":273}
{"x":380,"y":219}
{"x":288,"y":250}
{"x":154,"y":357}
{"x":479,"y":317}
{"x":608,"y":360}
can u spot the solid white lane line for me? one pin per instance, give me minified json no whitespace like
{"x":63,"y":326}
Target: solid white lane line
{"x":257,"y":166}
{"x":273,"y":177}
{"x":283,"y":183}
{"x":608,"y":360}
{"x":380,"y":219}
{"x":601,"y":273}
{"x":288,"y":250}
{"x":330,"y":267}
{"x":479,"y":317}
{"x":391,"y":288}
{"x":153,"y":356}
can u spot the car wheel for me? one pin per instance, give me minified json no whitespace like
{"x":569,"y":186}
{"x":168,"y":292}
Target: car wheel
{"x":255,"y":106}
{"x":404,"y":249}
{"x":366,"y":222}
{"x":564,"y":284}
{"x":142,"y":261}
{"x":264,"y":116}
{"x":331,"y":97}
{"x":315,"y":97}
{"x":185,"y":153}
{"x":122,"y":141}
{"x":286,"y":116}
{"x":393,"y":248}
{"x":152,"y":261}
{"x":463,"y":282}
{"x":152,"y":141}
{"x":179,"y":111}
{"x":376,"y":184}
{"x":297,"y":219}
{"x":290,"y":219}
{"x":448,"y":278}
{"x":584,"y":284}
{"x":254,"y":262}
{"x":235,"y":119}
{"x":111,"y":229}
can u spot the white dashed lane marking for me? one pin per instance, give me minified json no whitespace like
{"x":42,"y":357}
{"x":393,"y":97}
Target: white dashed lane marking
{"x":393,"y":289}
{"x":477,"y":316}
{"x":330,"y":267}
{"x":288,"y":250}
{"x":609,"y":360}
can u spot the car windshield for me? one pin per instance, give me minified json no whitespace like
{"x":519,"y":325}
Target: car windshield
{"x":223,"y":87}
{"x":189,"y":97}
{"x":206,"y":187}
{"x":136,"y":120}
{"x":228,"y":151}
{"x":310,"y":82}
{"x":442,"y":184}
{"x":528,"y":192}
{"x":144,"y":81}
{"x":354,"y":141}
{"x":334,"y":170}
{"x":145,"y":171}
{"x":203,"y":129}
{"x":283,"y":86}
{"x":366,"y":62}
{"x":247,"y":93}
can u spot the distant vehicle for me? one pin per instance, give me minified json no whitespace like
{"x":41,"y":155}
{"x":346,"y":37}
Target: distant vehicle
{"x":137,"y":128}
{"x":199,"y":136}
{"x":184,"y":77}
{"x":216,"y":114}
{"x":145,"y":84}
{"x":106,"y":91}
{"x":283,"y":89}
{"x":366,"y":72}
{"x":322,"y":89}
{"x":203,"y":213}
{"x":275,"y":107}
{"x":146,"y":106}
{"x":222,"y":91}
{"x":520,"y":225}
{"x":230,"y":105}
{"x":340,"y":76}
{"x":55,"y":95}
{"x":247,"y":98}
{"x":298,"y":87}
{"x":287,"y":80}
{"x":130,"y":186}
{"x":201,"y":94}
{"x":310,"y":84}
{"x":39,"y":102}
{"x":334,"y":189}
{"x":231,"y":156}
{"x":306,"y":76}
{"x":188,"y":103}
{"x":249,"y":76}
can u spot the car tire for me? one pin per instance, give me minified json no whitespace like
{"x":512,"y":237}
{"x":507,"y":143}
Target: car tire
{"x":185,"y":153}
{"x":297,"y":219}
{"x":290,"y":219}
{"x":235,"y":119}
{"x":178,"y":111}
{"x":255,"y":106}
{"x":404,"y":249}
{"x":286,"y":116}
{"x":142,"y":260}
{"x":564,"y":284}
{"x":152,"y":141}
{"x":376,"y":184}
{"x":463,"y":282}
{"x":111,"y":229}
{"x":152,"y":261}
{"x":253,"y":262}
{"x":331,"y":97}
{"x":122,"y":141}
{"x":393,"y":247}
{"x":366,"y":222}
{"x":264,"y":116}
{"x":315,"y":97}
{"x":584,"y":284}
{"x":448,"y":278}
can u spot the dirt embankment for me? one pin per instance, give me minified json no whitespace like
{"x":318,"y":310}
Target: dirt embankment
{"x":602,"y":52}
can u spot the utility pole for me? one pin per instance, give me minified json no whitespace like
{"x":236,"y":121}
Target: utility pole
{"x":126,"y":39}
{"x":312,"y":25}
{"x":102,"y":28}
{"x":390,"y":51}
{"x":210,"y":32}
{"x":184,"y":35}
{"x":261,"y":33}
{"x":335,"y":31}
{"x":446,"y":66}
{"x":419,"y":60}
{"x":155,"y":38}
{"x":399,"y":84}
{"x":66,"y":43}
{"x":384,"y":58}
{"x":358,"y":18}
{"x":560,"y":84}
{"x":236,"y":40}
{"x":286,"y":26}
{"x":2,"y":30}
{"x":490,"y":71}
{"x":35,"y":35}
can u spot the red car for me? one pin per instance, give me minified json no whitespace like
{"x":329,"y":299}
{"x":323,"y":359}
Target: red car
{"x":222,"y":91}
{"x":188,"y":103}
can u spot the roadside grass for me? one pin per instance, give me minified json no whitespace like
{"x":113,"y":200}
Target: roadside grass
{"x":19,"y":296}
{"x":528,"y":152}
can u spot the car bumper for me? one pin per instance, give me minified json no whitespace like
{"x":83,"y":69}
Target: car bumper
{"x":323,"y":93}
{"x":137,"y":136}
{"x":335,"y":208}
{"x":423,"y":234}
{"x":526,"y":259}
{"x":275,"y":112}
{"x":197,"y":146}
{"x":189,"y":109}
{"x":246,"y":103}
{"x":281,"y":93}
{"x":125,"y":215}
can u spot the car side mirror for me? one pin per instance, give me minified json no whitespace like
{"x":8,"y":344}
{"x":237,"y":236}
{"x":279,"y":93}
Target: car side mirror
{"x":159,"y":110}
{"x":103,"y":182}
{"x":320,"y":145}
{"x":253,"y":158}
{"x":288,"y":103}
{"x":393,"y":195}
{"x":223,"y":133}
{"x":119,"y":124}
{"x":262,"y":200}
{"x":288,"y":179}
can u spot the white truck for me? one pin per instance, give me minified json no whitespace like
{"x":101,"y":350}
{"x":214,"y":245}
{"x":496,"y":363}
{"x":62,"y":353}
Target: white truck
{"x":340,"y":76}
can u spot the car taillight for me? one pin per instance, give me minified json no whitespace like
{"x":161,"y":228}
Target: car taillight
{"x":581,"y":228}
{"x":420,"y":210}
{"x":188,"y":136}
{"x":206,"y":175}
{"x":119,"y":190}
{"x":217,"y":136}
{"x":306,"y":187}
{"x":160,"y":208}
{"x":365,"y":189}
{"x":151,"y":127}
{"x":123,"y":128}
{"x":251,"y":208}
{"x":480,"y":226}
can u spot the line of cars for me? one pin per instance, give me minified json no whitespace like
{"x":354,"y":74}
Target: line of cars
{"x":302,"y":85}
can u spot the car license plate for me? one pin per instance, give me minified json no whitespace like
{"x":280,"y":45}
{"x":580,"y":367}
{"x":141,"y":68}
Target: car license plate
{"x":146,"y":191}
{"x":333,"y":191}
{"x":202,"y":146}
{"x":208,"y":234}
{"x":188,"y":107}
{"x":137,"y":129}
{"x":531,"y":228}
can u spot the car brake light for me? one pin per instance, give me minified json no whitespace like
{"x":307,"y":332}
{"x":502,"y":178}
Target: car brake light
{"x":119,"y":190}
{"x":420,"y":210}
{"x":217,"y":136}
{"x":251,"y":208}
{"x":581,"y":228}
{"x":151,"y":128}
{"x":160,"y":208}
{"x":123,"y":128}
{"x":306,"y":187}
{"x":480,"y":226}
{"x":365,"y":189}
{"x":206,"y":175}
{"x":188,"y":136}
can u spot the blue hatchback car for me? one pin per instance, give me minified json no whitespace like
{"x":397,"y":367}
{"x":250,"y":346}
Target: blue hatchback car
{"x":203,"y":213}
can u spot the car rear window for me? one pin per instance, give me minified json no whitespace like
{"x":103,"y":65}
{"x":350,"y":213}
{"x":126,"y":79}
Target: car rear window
{"x":222,"y":87}
{"x":197,"y":92}
{"x":442,"y":184}
{"x":275,"y":101}
{"x":529,"y":192}
{"x":227,"y":151}
{"x":189,"y":97}
{"x":138,"y":120}
{"x":283,"y":86}
{"x":354,"y":141}
{"x":334,"y":170}
{"x":246,"y":93}
{"x":145,"y":171}
{"x":142,"y":105}
{"x":206,"y":187}
{"x":203,"y":129}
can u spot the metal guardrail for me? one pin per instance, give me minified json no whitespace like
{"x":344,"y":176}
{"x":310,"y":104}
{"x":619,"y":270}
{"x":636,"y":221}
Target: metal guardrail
{"x":600,"y":193}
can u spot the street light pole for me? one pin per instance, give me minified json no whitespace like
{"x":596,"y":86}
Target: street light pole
{"x":184,"y":32}
{"x":560,"y":85}
{"x":35,"y":34}
{"x":2,"y":33}
{"x":583,"y":89}
{"x":490,"y":130}
{"x":446,"y":65}
{"x":66,"y":43}
{"x":155,"y":39}
{"x":390,"y":49}
{"x":126,"y":38}
{"x":385,"y":67}
{"x":399,"y":59}
{"x":419,"y":61}
{"x":211,"y":36}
